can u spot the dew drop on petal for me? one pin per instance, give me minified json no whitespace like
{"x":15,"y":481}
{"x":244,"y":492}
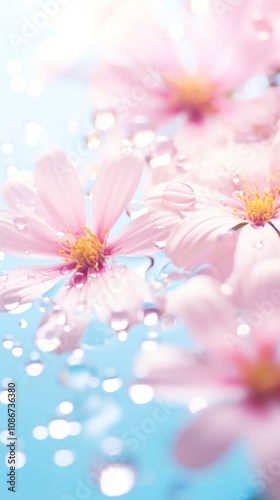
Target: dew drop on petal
{"x":161,"y":152}
{"x":257,"y":242}
{"x":64,"y":270}
{"x":143,"y":135}
{"x":119,"y":321}
{"x":135,"y":209}
{"x":179,"y":196}
{"x":159,"y":237}
{"x":78,"y":280}
{"x":116,"y":480}
{"x":20,"y":222}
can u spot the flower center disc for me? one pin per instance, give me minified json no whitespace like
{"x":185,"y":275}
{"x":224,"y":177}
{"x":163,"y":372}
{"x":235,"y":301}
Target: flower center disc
{"x":86,"y":251}
{"x":258,"y":207}
{"x":194,"y":92}
{"x":263,"y":377}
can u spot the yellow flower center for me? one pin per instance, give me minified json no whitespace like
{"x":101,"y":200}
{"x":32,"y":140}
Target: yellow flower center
{"x":194,"y":92}
{"x":85,"y":251}
{"x":258,"y":207}
{"x":263,"y":377}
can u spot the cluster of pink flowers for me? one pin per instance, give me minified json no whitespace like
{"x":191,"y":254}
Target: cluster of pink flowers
{"x":196,"y":108}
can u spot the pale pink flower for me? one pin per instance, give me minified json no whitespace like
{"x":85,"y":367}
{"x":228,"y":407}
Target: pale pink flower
{"x":233,"y":378}
{"x":199,"y":76}
{"x":231,"y":218}
{"x":49,"y":222}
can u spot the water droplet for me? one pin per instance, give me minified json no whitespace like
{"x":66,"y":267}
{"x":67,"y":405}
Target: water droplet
{"x":20,"y":222}
{"x":257,"y":242}
{"x":179,"y":196}
{"x":65,"y":270}
{"x":65,"y":407}
{"x":142,"y":135}
{"x":8,"y":342}
{"x":11,"y":306}
{"x":17,"y":351}
{"x":2,"y":255}
{"x":243,"y":330}
{"x":40,"y":432}
{"x":59,"y":429}
{"x":263,"y":28}
{"x":104,"y":119}
{"x":135,"y":209}
{"x":34,"y":368}
{"x":235,"y":179}
{"x":122,"y":336}
{"x":78,"y":280}
{"x":151,"y":315}
{"x":159,"y":236}
{"x":183,"y":163}
{"x":161,"y":152}
{"x":141,"y":393}
{"x":93,"y":140}
{"x":63,"y":458}
{"x":45,"y":304}
{"x":112,"y":384}
{"x":119,"y":320}
{"x":116,"y":479}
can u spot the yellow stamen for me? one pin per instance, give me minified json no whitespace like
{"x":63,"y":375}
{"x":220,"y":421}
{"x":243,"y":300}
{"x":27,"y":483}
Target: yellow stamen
{"x":263,"y":377}
{"x":194,"y":92}
{"x":258,"y":207}
{"x":86,"y":251}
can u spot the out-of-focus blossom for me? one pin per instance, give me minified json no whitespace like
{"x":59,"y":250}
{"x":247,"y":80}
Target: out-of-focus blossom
{"x":233,"y":379}
{"x":233,"y":215}
{"x":48,"y":221}
{"x":200,"y":76}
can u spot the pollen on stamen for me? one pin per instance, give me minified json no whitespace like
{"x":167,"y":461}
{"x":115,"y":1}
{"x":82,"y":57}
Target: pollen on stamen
{"x":85,"y":250}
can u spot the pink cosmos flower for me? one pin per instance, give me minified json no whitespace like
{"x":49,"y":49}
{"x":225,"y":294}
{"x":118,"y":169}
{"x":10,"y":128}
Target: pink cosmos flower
{"x":231,"y":218}
{"x":233,"y":379}
{"x":198,"y":76}
{"x":48,"y":221}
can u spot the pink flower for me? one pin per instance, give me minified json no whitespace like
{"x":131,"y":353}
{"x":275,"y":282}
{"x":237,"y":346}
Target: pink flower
{"x":232,"y":218}
{"x":198,"y":76}
{"x":233,"y":379}
{"x":49,"y":222}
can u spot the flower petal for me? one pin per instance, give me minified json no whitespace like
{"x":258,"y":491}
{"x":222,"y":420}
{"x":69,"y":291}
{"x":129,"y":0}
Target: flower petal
{"x":140,"y":235}
{"x":26,"y":236}
{"x":59,"y":189}
{"x":206,"y":237}
{"x":113,"y":188}
{"x":207,"y":313}
{"x":25,"y":284}
{"x":209,"y":436}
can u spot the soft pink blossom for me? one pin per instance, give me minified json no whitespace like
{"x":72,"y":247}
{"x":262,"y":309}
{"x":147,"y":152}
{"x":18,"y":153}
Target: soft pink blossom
{"x":199,"y":76}
{"x":231,"y":218}
{"x":234,"y":374}
{"x":48,"y":221}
